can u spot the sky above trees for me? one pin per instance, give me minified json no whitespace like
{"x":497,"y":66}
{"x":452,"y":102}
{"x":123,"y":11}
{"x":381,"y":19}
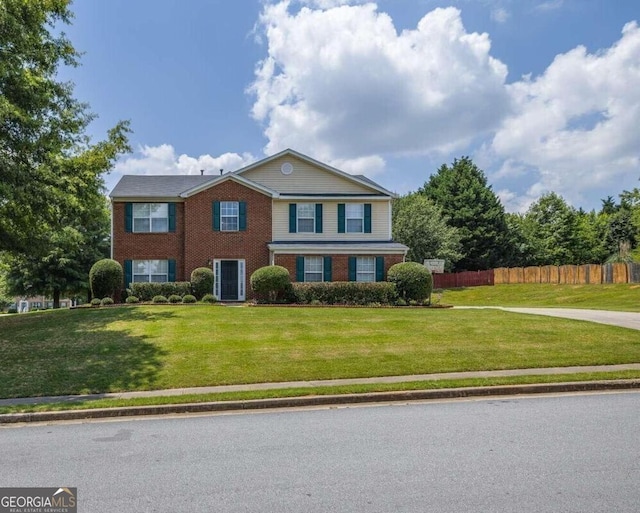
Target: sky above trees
{"x":543,"y":95}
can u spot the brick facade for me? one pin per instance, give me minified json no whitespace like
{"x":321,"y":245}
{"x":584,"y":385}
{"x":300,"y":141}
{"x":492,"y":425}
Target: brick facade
{"x":339,"y":264}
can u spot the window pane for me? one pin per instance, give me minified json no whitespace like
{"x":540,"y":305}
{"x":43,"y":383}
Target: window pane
{"x":158,"y":278}
{"x":306,"y":210}
{"x":141,"y":210}
{"x":159,"y":209}
{"x":158,"y":267}
{"x":140,"y":267}
{"x":141,"y":225}
{"x":140,"y":278}
{"x":160,"y":225}
{"x":313,"y":277}
{"x":355,"y":210}
{"x":306,"y":225}
{"x":229,"y":224}
{"x":229,"y":208}
{"x":354,"y":225}
{"x":313,"y":264}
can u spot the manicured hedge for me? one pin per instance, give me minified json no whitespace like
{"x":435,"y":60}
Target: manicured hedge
{"x":345,"y":293}
{"x":271,"y":283}
{"x":413,"y":281}
{"x":146,"y":291}
{"x":105,"y":278}
{"x":201,"y":282}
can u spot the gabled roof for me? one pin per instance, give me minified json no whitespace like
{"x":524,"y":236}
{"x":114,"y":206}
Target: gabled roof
{"x":229,"y":176}
{"x":359,"y":179}
{"x":164,"y":186}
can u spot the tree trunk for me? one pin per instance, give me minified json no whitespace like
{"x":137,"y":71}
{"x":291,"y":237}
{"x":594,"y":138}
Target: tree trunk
{"x":56,"y":298}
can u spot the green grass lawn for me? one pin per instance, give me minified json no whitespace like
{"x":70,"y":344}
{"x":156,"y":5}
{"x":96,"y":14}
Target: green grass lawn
{"x":622,"y":297}
{"x":157,"y":347}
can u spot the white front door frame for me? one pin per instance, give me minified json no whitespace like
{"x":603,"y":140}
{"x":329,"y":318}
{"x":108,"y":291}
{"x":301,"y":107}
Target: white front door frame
{"x":242,"y":279}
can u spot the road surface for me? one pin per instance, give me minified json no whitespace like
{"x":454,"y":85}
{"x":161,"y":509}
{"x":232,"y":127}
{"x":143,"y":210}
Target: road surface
{"x":578,"y":453}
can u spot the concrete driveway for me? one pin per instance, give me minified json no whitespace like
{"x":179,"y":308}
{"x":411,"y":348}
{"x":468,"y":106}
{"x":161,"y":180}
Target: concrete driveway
{"x":623,"y":319}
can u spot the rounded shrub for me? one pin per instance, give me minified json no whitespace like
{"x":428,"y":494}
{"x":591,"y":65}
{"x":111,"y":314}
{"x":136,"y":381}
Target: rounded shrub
{"x":105,"y":278}
{"x":159,"y":299}
{"x":132,"y":299}
{"x":209,"y":298}
{"x":96,"y":302}
{"x":413,"y":280}
{"x":174,"y":298}
{"x":270,"y":283}
{"x":201,"y":282}
{"x":189,"y":299}
{"x":106,"y":301}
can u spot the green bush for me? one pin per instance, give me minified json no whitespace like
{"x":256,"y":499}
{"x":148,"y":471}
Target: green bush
{"x":105,"y":278}
{"x":12,"y":310}
{"x":201,"y":282}
{"x":189,"y":299}
{"x":345,"y":293}
{"x":159,"y":299}
{"x":106,"y":301}
{"x":96,"y":302}
{"x":209,"y":298}
{"x":132,"y":299}
{"x":174,"y":298}
{"x":146,"y":290}
{"x":413,"y":280}
{"x":270,"y":283}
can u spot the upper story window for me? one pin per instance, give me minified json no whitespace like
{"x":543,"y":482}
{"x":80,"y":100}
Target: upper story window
{"x":355,"y":217}
{"x":229,"y":213}
{"x":149,"y":217}
{"x":306,"y":218}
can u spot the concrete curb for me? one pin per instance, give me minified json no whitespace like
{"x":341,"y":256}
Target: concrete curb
{"x":322,"y":400}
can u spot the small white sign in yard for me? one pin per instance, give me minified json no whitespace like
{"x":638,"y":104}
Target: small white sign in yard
{"x":435,"y":265}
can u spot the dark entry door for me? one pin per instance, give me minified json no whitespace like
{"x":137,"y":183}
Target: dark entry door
{"x":229,"y":280}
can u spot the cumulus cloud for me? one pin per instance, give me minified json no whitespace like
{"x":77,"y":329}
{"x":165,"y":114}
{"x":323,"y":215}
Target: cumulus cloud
{"x":577,"y":123}
{"x":163,"y":160}
{"x":343,"y":85}
{"x":499,"y":15}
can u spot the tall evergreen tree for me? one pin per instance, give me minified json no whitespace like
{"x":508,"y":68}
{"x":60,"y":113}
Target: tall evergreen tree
{"x":471,"y":206}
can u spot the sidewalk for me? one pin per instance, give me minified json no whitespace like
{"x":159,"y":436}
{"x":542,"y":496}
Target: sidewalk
{"x":322,"y":383}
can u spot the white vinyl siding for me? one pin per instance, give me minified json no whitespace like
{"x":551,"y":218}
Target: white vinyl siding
{"x":380,"y":219}
{"x":150,"y":217}
{"x":150,"y":271}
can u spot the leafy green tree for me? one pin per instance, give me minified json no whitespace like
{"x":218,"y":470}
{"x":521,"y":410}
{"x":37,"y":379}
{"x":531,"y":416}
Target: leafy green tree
{"x":42,"y":127}
{"x":471,"y":206}
{"x":419,"y":224}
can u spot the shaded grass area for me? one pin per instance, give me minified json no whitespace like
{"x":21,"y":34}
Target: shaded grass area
{"x":158,"y":347}
{"x":314,"y":391}
{"x":621,"y":297}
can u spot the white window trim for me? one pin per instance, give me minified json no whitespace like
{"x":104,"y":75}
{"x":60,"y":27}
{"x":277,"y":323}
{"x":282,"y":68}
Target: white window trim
{"x":242,"y":279}
{"x":150,"y":218}
{"x":313,"y":217}
{"x":347,"y":218}
{"x":236,"y":216}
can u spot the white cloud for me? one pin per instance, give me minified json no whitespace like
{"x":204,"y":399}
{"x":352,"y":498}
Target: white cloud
{"x":499,"y":15}
{"x":162,"y":160}
{"x":342,"y":84}
{"x":577,"y":123}
{"x":550,"y":5}
{"x":329,"y":4}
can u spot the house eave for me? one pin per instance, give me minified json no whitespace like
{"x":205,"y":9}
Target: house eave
{"x":230,"y":176}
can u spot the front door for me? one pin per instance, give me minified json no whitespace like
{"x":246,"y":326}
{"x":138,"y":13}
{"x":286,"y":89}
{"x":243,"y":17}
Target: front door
{"x":229,"y":280}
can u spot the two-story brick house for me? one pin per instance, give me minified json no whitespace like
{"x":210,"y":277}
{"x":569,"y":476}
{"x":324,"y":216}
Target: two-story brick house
{"x":320,"y":223}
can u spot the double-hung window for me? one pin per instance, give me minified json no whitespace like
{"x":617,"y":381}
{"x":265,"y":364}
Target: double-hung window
{"x":229,"y":214}
{"x":306,"y":217}
{"x":150,"y":271}
{"x":355,"y":217}
{"x":150,"y":217}
{"x":365,"y":269}
{"x":313,"y":268}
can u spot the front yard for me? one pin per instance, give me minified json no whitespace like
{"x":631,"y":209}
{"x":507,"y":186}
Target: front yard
{"x":158,"y":347}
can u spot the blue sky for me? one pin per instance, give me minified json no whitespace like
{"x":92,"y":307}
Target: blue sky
{"x":544,"y":95}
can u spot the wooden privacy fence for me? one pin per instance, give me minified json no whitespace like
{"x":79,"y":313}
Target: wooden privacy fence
{"x":563,"y":274}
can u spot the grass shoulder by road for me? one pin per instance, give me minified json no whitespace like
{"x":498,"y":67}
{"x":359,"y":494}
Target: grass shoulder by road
{"x":160,"y":347}
{"x":620,"y":297}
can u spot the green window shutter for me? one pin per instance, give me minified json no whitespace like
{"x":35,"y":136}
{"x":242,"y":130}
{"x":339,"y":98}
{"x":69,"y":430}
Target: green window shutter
{"x":293,"y":218}
{"x":299,"y":268}
{"x":216,"y":216}
{"x":318,"y":217}
{"x":367,"y":218}
{"x":242,"y":216}
{"x":342,"y":218}
{"x":128,"y":273}
{"x":380,"y":268}
{"x":128,"y":217}
{"x":172,"y":217}
{"x":352,"y":268}
{"x":327,"y":269}
{"x":171,"y":274}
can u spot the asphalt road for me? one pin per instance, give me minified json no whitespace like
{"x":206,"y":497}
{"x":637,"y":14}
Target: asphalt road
{"x":544,"y":454}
